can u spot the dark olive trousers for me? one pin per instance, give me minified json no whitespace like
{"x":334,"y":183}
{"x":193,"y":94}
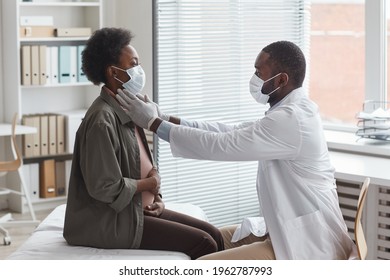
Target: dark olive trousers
{"x":173,"y":231}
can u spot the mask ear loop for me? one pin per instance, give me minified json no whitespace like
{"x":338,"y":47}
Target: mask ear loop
{"x":273,"y":77}
{"x":118,"y":80}
{"x":118,"y":68}
{"x":270,"y":80}
{"x":121,"y":70}
{"x":273,"y":91}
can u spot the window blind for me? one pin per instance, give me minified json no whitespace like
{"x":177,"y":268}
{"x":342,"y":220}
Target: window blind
{"x":204,"y":59}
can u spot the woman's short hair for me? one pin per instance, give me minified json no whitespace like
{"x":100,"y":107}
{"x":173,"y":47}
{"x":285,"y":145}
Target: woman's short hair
{"x":103,"y":49}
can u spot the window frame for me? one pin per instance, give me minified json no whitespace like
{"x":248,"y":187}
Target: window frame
{"x":376,"y":50}
{"x":375,"y":57}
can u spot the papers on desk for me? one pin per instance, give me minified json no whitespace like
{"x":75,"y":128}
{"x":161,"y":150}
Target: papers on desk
{"x":254,"y":225}
{"x":378,"y":114}
{"x":374,"y":125}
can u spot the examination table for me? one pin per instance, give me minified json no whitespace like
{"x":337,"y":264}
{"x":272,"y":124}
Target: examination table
{"x":47,"y":242}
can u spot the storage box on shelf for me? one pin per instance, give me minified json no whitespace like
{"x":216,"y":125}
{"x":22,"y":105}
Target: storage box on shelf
{"x":43,"y":75}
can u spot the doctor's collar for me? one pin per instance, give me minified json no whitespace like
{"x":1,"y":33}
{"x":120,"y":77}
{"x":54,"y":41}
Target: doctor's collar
{"x":276,"y":105}
{"x":285,"y":98}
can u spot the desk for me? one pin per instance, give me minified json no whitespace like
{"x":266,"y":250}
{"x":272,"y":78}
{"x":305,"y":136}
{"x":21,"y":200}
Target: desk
{"x":6,"y":129}
{"x":356,"y":167}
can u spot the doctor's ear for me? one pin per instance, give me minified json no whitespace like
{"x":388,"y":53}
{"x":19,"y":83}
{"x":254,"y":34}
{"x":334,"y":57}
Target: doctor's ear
{"x":283,"y":79}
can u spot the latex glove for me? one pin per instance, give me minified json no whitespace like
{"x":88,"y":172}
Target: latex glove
{"x":161,"y":115}
{"x":141,"y":113}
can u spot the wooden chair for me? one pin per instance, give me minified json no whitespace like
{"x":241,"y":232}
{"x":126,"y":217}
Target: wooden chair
{"x":9,"y":166}
{"x":359,"y":233}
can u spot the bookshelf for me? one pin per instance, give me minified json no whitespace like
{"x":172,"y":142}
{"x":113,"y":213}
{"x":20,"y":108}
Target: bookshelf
{"x":44,"y":98}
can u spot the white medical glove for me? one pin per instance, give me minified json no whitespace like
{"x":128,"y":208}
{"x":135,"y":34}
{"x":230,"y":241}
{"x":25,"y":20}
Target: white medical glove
{"x":141,"y":113}
{"x":161,"y":115}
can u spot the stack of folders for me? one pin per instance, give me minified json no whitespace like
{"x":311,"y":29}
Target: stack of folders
{"x":52,"y":180}
{"x":50,"y":138}
{"x":374,"y":125}
{"x":51,"y":65}
{"x":46,"y":179}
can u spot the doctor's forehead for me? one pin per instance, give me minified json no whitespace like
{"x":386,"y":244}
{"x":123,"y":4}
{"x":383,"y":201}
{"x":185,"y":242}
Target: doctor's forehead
{"x":261,"y":61}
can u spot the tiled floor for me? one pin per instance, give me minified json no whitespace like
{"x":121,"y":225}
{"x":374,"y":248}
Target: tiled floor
{"x":18,"y":234}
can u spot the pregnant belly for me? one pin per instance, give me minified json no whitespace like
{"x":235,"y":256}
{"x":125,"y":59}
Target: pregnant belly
{"x":147,"y":198}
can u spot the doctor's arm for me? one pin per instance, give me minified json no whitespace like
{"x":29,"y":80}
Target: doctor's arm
{"x":145,"y":114}
{"x":203,"y":125}
{"x":143,"y":109}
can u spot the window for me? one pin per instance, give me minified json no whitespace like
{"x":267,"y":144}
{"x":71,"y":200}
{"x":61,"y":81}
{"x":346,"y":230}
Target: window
{"x":337,"y":59}
{"x":387,"y":8}
{"x":205,"y":56}
{"x":348,"y":57}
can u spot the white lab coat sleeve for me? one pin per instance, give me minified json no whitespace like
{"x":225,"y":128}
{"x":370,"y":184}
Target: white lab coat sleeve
{"x":276,"y":136}
{"x":220,"y":127}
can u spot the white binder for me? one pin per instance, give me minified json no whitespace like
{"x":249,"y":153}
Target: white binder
{"x":26,"y":65}
{"x":54,"y":64}
{"x":48,"y":65}
{"x":80,"y":74}
{"x":64,"y":64}
{"x":73,"y":64}
{"x":42,"y":64}
{"x":35,"y":65}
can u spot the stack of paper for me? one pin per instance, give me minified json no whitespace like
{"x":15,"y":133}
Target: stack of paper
{"x":374,"y":125}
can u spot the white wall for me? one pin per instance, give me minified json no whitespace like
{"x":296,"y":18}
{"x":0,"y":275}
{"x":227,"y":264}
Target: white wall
{"x":3,"y":202}
{"x":1,"y":67}
{"x":136,"y":16}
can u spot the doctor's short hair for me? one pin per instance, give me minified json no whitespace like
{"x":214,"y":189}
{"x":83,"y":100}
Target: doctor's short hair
{"x":287,"y":57}
{"x":103,"y":49}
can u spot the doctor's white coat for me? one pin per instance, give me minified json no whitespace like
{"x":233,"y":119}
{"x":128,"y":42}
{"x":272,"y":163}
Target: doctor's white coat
{"x":295,"y":181}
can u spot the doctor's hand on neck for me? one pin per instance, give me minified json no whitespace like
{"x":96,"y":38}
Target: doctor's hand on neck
{"x":141,"y":112}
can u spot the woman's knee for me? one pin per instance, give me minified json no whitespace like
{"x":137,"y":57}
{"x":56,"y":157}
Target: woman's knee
{"x":204,"y":246}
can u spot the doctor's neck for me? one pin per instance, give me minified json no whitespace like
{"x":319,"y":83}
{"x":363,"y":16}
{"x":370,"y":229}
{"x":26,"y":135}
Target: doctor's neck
{"x":280,"y":95}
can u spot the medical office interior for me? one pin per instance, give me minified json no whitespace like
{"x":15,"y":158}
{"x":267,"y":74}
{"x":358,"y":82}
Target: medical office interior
{"x":198,"y":58}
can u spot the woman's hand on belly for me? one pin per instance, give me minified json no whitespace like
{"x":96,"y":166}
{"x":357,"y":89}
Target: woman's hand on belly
{"x":155,"y":209}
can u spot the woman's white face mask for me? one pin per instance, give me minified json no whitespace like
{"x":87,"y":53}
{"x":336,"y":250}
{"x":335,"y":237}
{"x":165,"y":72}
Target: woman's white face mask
{"x":255,"y":87}
{"x":137,"y":79}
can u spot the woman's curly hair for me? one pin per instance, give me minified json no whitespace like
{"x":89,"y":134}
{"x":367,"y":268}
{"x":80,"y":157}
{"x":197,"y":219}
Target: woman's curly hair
{"x":103,"y":49}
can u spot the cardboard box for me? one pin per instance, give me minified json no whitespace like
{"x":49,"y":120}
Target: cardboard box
{"x":36,"y":31}
{"x":73,"y":32}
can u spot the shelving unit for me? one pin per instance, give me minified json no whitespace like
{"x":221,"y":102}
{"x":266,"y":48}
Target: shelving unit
{"x":36,"y":99}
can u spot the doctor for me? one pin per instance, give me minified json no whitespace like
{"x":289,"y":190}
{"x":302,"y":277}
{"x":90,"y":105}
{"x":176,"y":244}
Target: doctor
{"x":295,"y":182}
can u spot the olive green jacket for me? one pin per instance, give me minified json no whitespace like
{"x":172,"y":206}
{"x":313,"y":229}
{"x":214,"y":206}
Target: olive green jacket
{"x":103,"y":210}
